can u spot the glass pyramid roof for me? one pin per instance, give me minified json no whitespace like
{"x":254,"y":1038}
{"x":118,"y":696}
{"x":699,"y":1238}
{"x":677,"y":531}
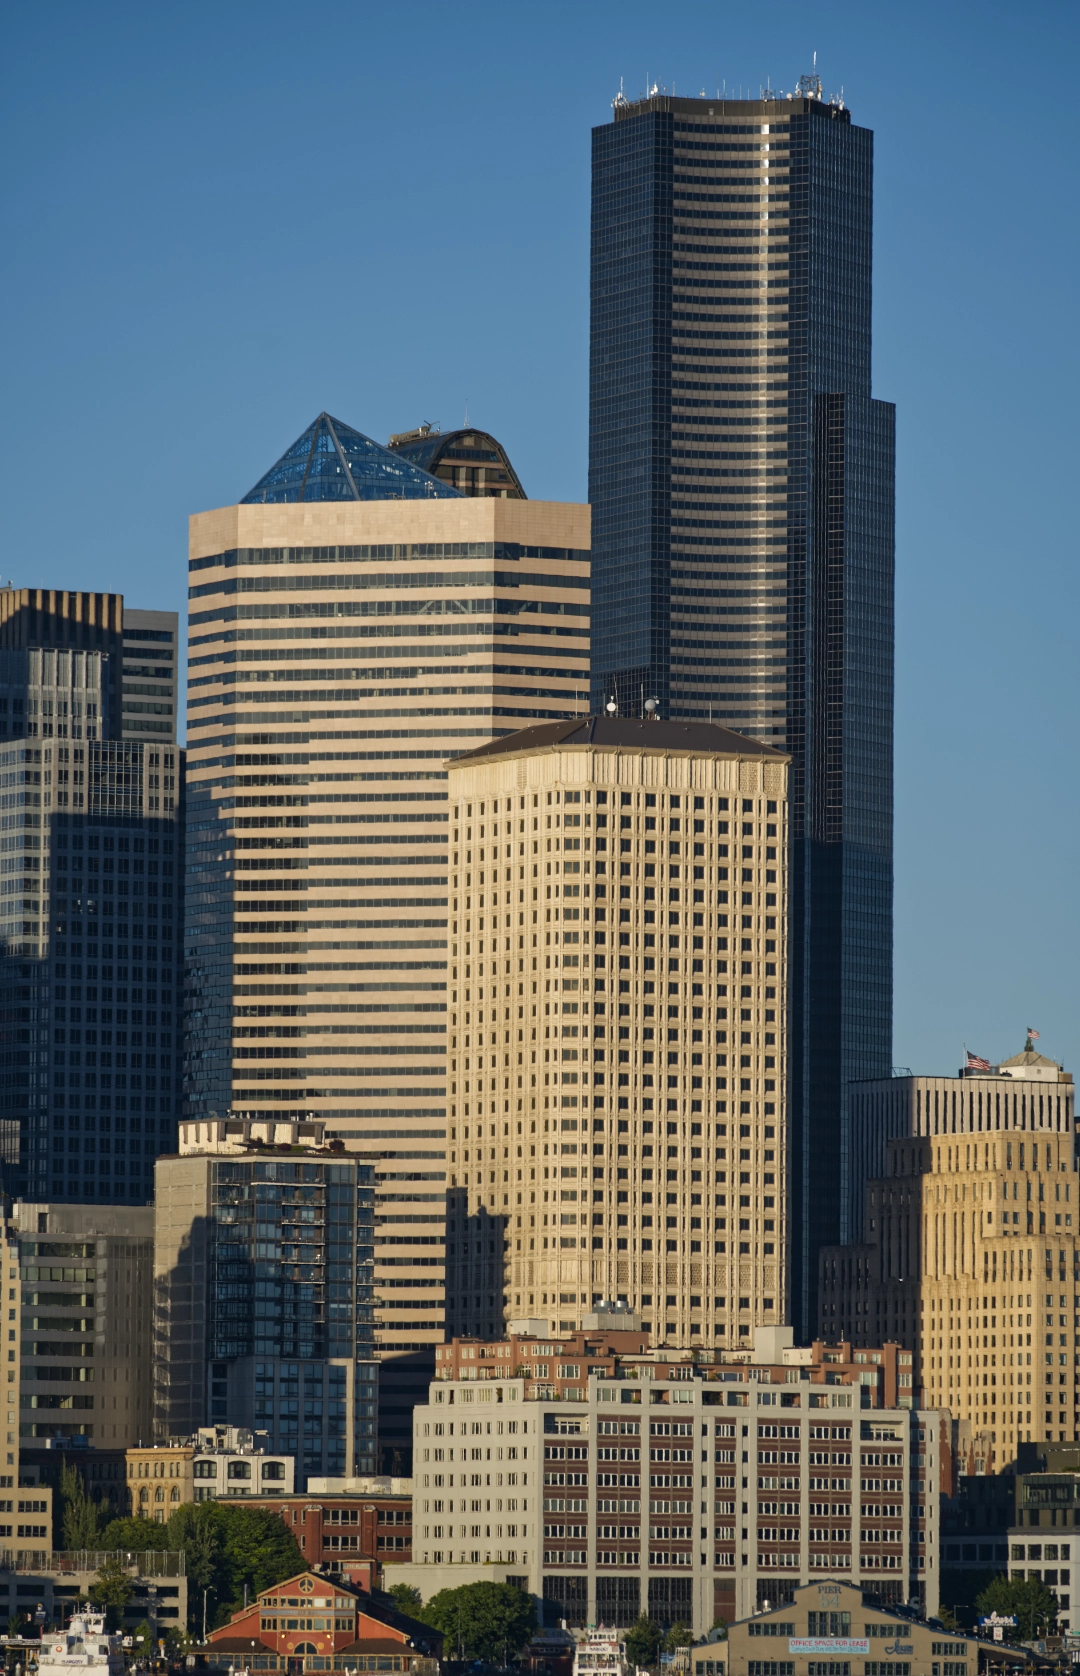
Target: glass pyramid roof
{"x":331,"y":461}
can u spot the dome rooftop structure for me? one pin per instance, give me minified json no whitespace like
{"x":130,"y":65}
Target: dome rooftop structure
{"x":471,"y":460}
{"x":331,"y":461}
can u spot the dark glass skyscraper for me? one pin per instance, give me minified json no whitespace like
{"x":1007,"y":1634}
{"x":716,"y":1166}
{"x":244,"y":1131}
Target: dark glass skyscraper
{"x":741,"y":479}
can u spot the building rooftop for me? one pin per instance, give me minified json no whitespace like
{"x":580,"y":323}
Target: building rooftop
{"x":627,"y":733}
{"x":331,"y":461}
{"x":472,"y":460}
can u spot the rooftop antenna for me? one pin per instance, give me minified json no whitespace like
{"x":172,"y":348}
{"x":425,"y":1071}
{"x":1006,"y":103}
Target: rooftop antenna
{"x":466,"y":412}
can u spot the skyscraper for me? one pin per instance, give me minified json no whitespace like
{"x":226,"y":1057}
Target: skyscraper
{"x":355,"y":622}
{"x":632,"y":1145}
{"x":90,"y":911}
{"x":150,"y":675}
{"x":741,"y":479}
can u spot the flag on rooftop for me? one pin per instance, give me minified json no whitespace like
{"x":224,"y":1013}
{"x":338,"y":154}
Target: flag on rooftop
{"x":974,"y":1063}
{"x":1034,"y":1034}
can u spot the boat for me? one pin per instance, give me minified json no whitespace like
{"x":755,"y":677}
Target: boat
{"x":600,"y":1652}
{"x":86,"y":1645}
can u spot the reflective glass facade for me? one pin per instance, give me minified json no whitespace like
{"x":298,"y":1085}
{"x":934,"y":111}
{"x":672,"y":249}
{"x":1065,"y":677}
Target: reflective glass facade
{"x":742,"y":483}
{"x":265,"y":1314}
{"x":331,"y":461}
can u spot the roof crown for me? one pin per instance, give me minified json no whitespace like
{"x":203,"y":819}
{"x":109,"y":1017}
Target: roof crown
{"x":331,"y":461}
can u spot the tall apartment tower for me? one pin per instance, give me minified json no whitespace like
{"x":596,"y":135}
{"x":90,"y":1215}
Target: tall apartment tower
{"x":741,"y":480}
{"x":354,"y":624}
{"x":262,"y":1273}
{"x":970,"y":1250}
{"x":90,"y":918}
{"x":618,"y":1054}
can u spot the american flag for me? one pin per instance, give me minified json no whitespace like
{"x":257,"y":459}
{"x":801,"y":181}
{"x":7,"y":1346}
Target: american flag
{"x":1034,"y":1034}
{"x":974,"y":1063}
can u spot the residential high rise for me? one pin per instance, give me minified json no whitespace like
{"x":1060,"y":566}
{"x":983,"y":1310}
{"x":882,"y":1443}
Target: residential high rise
{"x":355,"y":623}
{"x":89,"y":917}
{"x":471,"y":460}
{"x":741,"y":479}
{"x":263,"y":1272}
{"x":970,"y":1249}
{"x":618,"y":1054}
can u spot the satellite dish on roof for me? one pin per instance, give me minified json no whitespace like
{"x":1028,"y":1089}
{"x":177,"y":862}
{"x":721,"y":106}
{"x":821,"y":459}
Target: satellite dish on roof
{"x":611,"y":707}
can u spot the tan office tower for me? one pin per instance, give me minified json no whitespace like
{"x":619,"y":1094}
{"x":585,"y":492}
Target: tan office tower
{"x":618,"y":903}
{"x":354,"y":624}
{"x":970,"y":1253}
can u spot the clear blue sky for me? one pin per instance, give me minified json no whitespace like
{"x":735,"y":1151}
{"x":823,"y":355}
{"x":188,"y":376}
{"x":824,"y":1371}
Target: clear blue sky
{"x":220,"y":218}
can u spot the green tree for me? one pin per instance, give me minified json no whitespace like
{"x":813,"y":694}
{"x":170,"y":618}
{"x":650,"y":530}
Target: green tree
{"x":80,"y":1520}
{"x":134,"y":1536}
{"x":407,"y":1599}
{"x":1029,"y":1601}
{"x":484,"y":1619}
{"x":643,"y":1642}
{"x":226,"y":1547}
{"x":113,"y":1589}
{"x":679,"y":1635}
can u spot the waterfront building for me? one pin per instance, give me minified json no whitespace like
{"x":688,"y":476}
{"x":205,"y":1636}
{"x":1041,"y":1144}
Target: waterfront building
{"x":834,"y":1626}
{"x":741,"y":477}
{"x":471,"y":460}
{"x":970,"y":1250}
{"x":355,"y":623}
{"x":349,"y":1632}
{"x":263,"y":1296}
{"x":618,"y":1047}
{"x":681,"y":1485}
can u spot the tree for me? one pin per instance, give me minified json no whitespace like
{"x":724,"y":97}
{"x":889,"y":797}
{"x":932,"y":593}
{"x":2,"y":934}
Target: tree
{"x":134,"y":1536}
{"x":226,"y":1546}
{"x":484,"y":1619}
{"x":679,"y":1635}
{"x":80,"y":1523}
{"x":406,"y":1599}
{"x":1029,"y":1601}
{"x":113,"y":1589}
{"x":643,"y":1641}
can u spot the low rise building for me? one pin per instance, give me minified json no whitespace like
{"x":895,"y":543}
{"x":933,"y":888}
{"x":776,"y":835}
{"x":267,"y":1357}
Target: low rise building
{"x":56,"y":1580}
{"x":311,"y":1622}
{"x":678,"y":1487}
{"x":352,"y":1533}
{"x":220,"y":1461}
{"x":834,"y":1628}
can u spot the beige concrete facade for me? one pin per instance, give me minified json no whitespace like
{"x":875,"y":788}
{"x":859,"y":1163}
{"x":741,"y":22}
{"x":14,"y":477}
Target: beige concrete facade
{"x":617,"y":1126}
{"x":658,"y":1491}
{"x":320,"y":812}
{"x":970,"y":1254}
